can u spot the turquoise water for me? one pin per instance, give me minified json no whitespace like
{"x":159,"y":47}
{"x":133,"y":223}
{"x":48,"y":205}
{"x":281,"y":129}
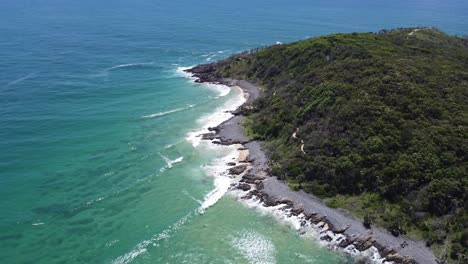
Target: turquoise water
{"x":98,"y":163}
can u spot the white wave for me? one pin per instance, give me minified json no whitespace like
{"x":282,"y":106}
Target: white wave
{"x":112,"y":242}
{"x":255,"y":247}
{"x":169,"y":162}
{"x":220,"y":115}
{"x":163,"y":113}
{"x":221,"y":187}
{"x":95,"y":200}
{"x":38,"y":223}
{"x":169,"y":111}
{"x":32,"y":74}
{"x":309,"y":230}
{"x":191,"y":197}
{"x":128,"y":65}
{"x":222,"y":90}
{"x":168,"y":146}
{"x":210,"y":57}
{"x":141,"y":247}
{"x":181,"y":72}
{"x":218,"y":170}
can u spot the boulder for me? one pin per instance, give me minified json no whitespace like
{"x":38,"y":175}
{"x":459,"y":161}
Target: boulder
{"x":244,"y":186}
{"x":215,"y":129}
{"x":209,"y":136}
{"x":237,"y":169}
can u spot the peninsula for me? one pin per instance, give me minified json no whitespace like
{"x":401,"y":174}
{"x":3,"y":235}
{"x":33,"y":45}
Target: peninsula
{"x":372,"y":124}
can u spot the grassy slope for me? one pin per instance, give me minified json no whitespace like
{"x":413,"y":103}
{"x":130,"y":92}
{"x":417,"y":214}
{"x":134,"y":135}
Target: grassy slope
{"x":384,"y":121}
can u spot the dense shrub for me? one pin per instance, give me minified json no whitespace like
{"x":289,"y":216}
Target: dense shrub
{"x":379,"y":113}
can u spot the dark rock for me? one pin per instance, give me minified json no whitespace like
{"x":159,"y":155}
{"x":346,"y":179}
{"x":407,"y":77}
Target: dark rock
{"x":231,"y":164}
{"x":237,"y":170}
{"x":363,"y":243}
{"x":345,"y":242}
{"x":326,"y":238}
{"x":252,"y":177}
{"x":395,"y":232}
{"x":297,"y":211}
{"x":209,"y":136}
{"x":400,"y":259}
{"x":215,"y":129}
{"x":271,"y":202}
{"x":386,"y":251}
{"x":244,"y":186}
{"x":341,"y":230}
{"x":310,"y":215}
{"x":260,"y":186}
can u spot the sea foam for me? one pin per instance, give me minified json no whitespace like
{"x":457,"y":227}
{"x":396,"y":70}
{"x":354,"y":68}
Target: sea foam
{"x":169,"y":162}
{"x":129,"y":65}
{"x":255,"y":247}
{"x":141,"y":247}
{"x":218,"y":168}
{"x":308,"y":229}
{"x":220,"y":115}
{"x":168,"y":112}
{"x":222,"y":90}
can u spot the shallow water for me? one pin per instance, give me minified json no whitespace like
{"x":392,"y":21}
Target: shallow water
{"x":99,"y":159}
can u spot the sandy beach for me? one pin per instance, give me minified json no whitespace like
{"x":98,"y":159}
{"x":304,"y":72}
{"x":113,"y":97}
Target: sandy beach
{"x":337,"y":228}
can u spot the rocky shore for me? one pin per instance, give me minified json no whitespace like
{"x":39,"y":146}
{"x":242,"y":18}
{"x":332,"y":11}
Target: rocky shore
{"x":336,"y":227}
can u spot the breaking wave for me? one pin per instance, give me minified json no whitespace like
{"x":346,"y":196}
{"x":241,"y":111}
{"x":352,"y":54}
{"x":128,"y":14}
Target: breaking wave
{"x":130,"y":65}
{"x":154,"y":241}
{"x":169,"y":162}
{"x":168,"y":112}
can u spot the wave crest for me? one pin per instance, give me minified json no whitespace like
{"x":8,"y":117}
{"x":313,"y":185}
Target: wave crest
{"x":129,"y":65}
{"x":169,"y":162}
{"x":168,"y":112}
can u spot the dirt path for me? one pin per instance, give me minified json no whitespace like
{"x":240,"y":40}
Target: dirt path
{"x":294,"y":135}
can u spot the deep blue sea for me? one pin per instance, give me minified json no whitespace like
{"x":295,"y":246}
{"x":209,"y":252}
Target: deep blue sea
{"x":99,"y":162}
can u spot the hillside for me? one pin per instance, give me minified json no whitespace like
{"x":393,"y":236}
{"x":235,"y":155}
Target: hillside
{"x":372,"y":122}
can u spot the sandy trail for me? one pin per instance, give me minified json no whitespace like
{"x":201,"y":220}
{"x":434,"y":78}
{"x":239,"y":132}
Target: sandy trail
{"x":294,"y":135}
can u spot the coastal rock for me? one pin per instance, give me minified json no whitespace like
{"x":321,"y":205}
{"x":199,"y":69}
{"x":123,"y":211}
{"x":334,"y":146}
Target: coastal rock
{"x":231,"y":164}
{"x":271,"y":202}
{"x":237,"y":169}
{"x":209,"y":136}
{"x":215,"y":129}
{"x":341,"y":230}
{"x":363,"y":243}
{"x":386,"y":251}
{"x":251,"y":178}
{"x":400,"y":259}
{"x":297,"y":211}
{"x":260,"y":185}
{"x":244,"y":186}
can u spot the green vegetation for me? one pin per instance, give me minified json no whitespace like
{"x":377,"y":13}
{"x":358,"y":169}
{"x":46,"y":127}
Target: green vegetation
{"x":384,"y":120}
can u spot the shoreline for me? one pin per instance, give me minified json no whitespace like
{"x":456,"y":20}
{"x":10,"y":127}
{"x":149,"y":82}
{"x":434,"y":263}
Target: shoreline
{"x":335,"y":228}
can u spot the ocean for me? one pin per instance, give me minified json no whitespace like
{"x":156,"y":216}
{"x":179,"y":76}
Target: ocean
{"x":99,"y":159}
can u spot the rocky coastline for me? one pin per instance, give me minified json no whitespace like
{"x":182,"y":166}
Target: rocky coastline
{"x":337,"y":228}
